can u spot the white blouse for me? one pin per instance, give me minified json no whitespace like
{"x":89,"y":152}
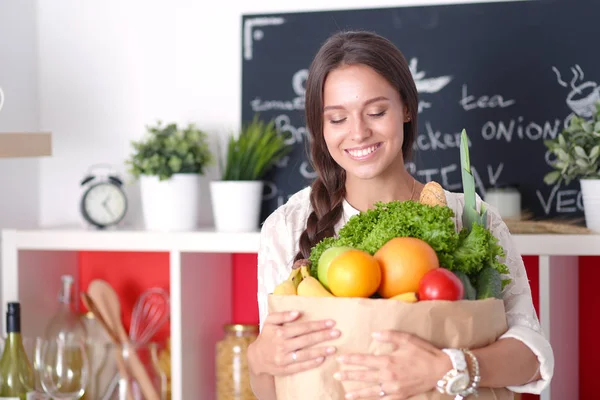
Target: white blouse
{"x":279,"y":244}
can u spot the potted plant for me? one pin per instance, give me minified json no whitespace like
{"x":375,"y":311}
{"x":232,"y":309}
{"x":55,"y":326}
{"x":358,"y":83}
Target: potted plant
{"x":169,"y":162}
{"x":237,"y":196}
{"x":577,"y":152}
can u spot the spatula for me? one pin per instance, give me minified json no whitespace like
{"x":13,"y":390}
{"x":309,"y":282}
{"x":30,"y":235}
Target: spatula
{"x":91,"y":306}
{"x":107,"y":302}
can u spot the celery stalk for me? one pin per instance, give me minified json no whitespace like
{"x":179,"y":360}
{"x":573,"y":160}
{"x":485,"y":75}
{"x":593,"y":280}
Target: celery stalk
{"x":470,"y":214}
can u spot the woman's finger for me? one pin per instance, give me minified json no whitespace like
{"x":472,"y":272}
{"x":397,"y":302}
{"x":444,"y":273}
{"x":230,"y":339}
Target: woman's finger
{"x":403,"y":339}
{"x":300,"y":356}
{"x":301,"y":328}
{"x":300,"y":366}
{"x":279,"y":318}
{"x":311,"y":339}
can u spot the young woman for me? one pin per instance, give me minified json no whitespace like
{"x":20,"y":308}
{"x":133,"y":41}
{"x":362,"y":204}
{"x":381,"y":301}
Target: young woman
{"x":361,"y":111}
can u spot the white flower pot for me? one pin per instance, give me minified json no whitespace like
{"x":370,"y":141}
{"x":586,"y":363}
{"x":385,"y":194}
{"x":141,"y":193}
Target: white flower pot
{"x":236,"y":205}
{"x":171,"y":205}
{"x":590,"y":193}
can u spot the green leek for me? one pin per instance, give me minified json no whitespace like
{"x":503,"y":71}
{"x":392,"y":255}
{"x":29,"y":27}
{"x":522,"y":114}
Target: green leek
{"x":470,"y":214}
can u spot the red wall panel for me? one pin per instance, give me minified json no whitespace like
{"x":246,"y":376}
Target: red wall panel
{"x":244,"y":288}
{"x":129,"y":274}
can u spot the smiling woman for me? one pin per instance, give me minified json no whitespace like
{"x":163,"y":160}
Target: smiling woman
{"x":361,"y":112}
{"x":363,"y":128}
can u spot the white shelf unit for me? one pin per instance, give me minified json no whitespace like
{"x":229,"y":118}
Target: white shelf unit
{"x":200,"y":287}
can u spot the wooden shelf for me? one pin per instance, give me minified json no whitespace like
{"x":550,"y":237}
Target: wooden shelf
{"x":25,"y":144}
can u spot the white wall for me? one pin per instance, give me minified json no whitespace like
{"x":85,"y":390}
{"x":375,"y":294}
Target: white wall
{"x":108,"y":68}
{"x":19,"y":178}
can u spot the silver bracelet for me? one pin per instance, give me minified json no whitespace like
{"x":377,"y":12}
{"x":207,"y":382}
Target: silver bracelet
{"x":472,"y":389}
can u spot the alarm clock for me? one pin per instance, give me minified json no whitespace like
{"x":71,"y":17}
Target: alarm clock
{"x":103,"y":201}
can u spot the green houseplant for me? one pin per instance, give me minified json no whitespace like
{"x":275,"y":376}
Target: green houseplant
{"x":169,"y":162}
{"x":237,"y":196}
{"x":577,"y":152}
{"x":169,"y":150}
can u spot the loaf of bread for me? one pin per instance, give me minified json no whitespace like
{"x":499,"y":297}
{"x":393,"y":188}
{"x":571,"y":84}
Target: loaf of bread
{"x":433,"y":195}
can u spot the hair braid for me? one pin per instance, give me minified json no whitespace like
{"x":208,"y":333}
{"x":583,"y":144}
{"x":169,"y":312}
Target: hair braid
{"x":327,"y":208}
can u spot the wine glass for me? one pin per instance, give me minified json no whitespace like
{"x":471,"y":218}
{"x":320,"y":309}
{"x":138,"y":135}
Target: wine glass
{"x":63,"y":367}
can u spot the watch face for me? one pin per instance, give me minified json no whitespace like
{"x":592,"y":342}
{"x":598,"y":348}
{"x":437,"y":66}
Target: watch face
{"x":458,"y":383}
{"x":104,"y":204}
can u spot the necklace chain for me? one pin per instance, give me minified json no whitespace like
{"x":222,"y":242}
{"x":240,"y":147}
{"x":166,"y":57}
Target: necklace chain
{"x":412,"y":194}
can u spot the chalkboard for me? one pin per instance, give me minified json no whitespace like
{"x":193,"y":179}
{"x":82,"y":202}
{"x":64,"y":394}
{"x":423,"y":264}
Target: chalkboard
{"x":510,"y":73}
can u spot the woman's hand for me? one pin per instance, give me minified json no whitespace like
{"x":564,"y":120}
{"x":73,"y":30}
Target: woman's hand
{"x":285,"y":346}
{"x":412,"y":368}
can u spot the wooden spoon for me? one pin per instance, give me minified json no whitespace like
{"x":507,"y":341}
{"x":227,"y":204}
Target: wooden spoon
{"x":107,"y":302}
{"x":91,"y":306}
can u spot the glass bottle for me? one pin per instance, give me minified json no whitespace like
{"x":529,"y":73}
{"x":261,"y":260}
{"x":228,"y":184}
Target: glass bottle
{"x":233,"y":380}
{"x":16,"y":373}
{"x":66,"y":324}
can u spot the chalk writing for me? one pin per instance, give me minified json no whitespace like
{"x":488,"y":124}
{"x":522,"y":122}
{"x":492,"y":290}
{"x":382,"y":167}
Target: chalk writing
{"x":259,"y":105}
{"x":435,"y":140}
{"x":427,"y":85}
{"x":450,"y":178}
{"x":423,"y":105}
{"x":469,"y":102}
{"x":295,"y":104}
{"x":283,"y":124}
{"x":560,"y":201}
{"x":306,"y":170}
{"x":250,"y":36}
{"x":283,"y":162}
{"x":501,"y":130}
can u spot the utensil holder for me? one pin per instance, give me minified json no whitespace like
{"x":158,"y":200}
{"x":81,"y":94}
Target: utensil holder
{"x":138,"y":356}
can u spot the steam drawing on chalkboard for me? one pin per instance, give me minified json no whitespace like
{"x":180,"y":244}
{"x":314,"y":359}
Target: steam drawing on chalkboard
{"x":427,"y":85}
{"x":583,"y":95}
{"x":251,"y":34}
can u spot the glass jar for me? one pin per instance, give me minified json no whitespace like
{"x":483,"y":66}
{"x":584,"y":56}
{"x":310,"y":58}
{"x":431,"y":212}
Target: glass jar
{"x":506,"y":199}
{"x":233,"y":379}
{"x":131,"y":357}
{"x":99,"y":355}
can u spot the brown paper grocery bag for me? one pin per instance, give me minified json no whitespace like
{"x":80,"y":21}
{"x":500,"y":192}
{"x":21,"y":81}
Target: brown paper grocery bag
{"x":455,"y":324}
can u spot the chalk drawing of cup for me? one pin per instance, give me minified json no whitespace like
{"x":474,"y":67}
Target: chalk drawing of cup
{"x":583,"y":99}
{"x":1,"y":98}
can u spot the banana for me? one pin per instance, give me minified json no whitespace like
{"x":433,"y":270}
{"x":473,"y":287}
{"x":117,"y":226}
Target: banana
{"x":290,"y":285}
{"x":408,"y":297}
{"x":433,"y":195}
{"x":310,"y":286}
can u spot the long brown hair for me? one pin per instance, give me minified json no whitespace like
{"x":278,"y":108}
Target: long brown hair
{"x":328,"y":190}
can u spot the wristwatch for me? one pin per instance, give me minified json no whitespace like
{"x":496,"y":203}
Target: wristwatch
{"x":456,"y":381}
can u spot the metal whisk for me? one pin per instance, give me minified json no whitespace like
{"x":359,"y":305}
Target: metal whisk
{"x":150,"y":312}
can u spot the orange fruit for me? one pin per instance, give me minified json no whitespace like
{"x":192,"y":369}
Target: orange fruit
{"x":404,"y":261}
{"x":354,"y":273}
